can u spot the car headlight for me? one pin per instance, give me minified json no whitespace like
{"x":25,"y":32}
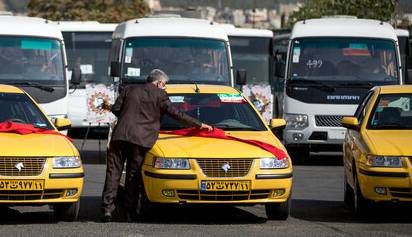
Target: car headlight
{"x":171,"y":163}
{"x":296,"y":121}
{"x":66,"y":162}
{"x":384,"y":161}
{"x":274,"y":163}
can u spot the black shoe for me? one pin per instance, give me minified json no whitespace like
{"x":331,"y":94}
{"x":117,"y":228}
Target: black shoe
{"x":107,"y":217}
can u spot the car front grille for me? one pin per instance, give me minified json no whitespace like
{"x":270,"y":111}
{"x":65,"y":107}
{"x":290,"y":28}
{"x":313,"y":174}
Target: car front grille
{"x":31,"y":195}
{"x":401,"y":192}
{"x":214,"y":168}
{"x":29,"y":166}
{"x":328,"y":120}
{"x":223,"y":195}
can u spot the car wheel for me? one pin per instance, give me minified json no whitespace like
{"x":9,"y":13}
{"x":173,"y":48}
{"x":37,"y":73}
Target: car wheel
{"x":146,"y":210}
{"x":348,"y":193}
{"x":278,"y":211}
{"x":360,"y":204}
{"x":67,"y":211}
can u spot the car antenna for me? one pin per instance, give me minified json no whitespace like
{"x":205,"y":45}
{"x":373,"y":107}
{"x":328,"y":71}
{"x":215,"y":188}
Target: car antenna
{"x":197,"y":90}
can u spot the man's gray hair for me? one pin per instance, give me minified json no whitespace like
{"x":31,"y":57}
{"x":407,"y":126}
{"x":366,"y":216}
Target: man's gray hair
{"x":157,"y":74}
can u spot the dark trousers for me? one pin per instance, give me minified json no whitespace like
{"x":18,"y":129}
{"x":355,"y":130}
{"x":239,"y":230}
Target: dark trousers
{"x":118,"y":153}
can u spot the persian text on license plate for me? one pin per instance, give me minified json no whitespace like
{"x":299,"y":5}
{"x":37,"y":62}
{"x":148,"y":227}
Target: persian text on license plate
{"x":26,"y":184}
{"x":225,"y":186}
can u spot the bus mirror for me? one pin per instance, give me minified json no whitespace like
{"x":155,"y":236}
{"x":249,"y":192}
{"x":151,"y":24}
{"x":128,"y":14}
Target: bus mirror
{"x":76,"y":76}
{"x":115,"y":69}
{"x":241,"y":75}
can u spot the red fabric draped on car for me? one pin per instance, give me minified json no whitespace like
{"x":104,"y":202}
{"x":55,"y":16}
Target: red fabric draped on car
{"x":24,"y":129}
{"x":220,"y":134}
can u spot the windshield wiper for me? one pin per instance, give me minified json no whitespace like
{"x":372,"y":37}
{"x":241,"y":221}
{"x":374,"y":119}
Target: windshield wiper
{"x":37,"y":85}
{"x":391,"y":126}
{"x":234,"y":128}
{"x":361,"y":84}
{"x":322,"y":85}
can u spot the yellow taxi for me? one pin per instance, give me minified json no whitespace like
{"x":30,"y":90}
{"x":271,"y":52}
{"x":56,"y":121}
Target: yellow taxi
{"x":203,"y":170}
{"x":378,"y":149}
{"x":37,"y":168}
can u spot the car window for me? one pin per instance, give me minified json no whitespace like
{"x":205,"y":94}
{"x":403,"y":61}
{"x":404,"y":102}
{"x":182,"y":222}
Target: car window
{"x":365,"y":108}
{"x":20,"y":108}
{"x":225,"y":111}
{"x":360,"y":111}
{"x":392,"y":111}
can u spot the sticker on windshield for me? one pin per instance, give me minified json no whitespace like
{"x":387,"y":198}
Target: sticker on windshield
{"x":296,"y":54}
{"x":356,"y":49}
{"x":402,"y":102}
{"x":133,"y":72}
{"x":86,"y":68}
{"x":128,"y":55}
{"x":36,"y":44}
{"x":231,"y":98}
{"x":40,"y":125}
{"x":177,"y":99}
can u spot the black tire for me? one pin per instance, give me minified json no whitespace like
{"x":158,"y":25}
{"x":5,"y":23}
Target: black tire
{"x":145,"y":209}
{"x":361,"y":206}
{"x":278,"y":211}
{"x":348,"y":194}
{"x":67,"y":211}
{"x":299,"y":154}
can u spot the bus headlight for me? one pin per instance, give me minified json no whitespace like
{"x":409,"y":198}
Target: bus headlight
{"x":296,"y":121}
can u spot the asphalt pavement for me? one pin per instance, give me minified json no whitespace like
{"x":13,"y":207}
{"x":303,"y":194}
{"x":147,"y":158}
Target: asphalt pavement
{"x":317,"y":210}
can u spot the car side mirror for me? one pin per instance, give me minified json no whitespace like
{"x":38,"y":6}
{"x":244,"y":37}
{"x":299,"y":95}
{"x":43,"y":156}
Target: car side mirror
{"x":62,"y":123}
{"x":115,"y":69}
{"x":350,"y":123}
{"x":241,"y":75}
{"x":277,"y":124}
{"x":76,"y":76}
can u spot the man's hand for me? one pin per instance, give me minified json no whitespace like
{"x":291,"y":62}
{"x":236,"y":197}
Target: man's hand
{"x":106,"y":105}
{"x":206,"y":127}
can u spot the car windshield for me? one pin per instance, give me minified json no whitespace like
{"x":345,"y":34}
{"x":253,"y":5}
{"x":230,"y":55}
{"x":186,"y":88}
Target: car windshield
{"x":20,"y":108}
{"x":90,"y":52}
{"x":184,"y":60}
{"x":252,"y":54}
{"x":31,"y":59}
{"x":338,"y":60}
{"x":392,"y":111}
{"x":225,"y":111}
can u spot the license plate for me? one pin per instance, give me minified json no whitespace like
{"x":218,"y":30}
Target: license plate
{"x":225,"y":186}
{"x":337,"y":134}
{"x":26,"y":184}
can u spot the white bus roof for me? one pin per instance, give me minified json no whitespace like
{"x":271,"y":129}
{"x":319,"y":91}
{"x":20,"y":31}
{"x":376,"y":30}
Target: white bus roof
{"x":402,"y":32}
{"x":247,"y":32}
{"x":343,"y":27}
{"x":85,"y":26}
{"x":28,"y":26}
{"x":169,"y":27}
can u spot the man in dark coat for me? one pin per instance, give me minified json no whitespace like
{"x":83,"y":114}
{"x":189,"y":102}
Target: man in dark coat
{"x":139,"y":110}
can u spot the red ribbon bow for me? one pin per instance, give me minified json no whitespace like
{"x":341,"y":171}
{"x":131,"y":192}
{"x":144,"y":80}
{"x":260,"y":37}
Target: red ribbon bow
{"x":220,"y":134}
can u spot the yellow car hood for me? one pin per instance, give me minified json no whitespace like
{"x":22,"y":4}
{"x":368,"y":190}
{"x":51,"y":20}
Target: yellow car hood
{"x":201,"y":147}
{"x":12,"y":144}
{"x":391,"y":143}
